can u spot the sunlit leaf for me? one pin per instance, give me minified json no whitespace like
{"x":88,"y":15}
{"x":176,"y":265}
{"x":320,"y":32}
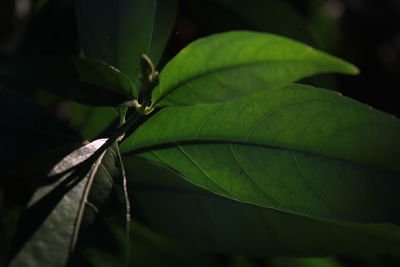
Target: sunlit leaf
{"x":222,"y":67}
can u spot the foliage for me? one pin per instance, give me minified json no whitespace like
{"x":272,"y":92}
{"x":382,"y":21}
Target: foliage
{"x":228,"y":159}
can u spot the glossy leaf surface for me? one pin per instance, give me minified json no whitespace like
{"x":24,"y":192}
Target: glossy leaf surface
{"x":168,"y":204}
{"x":50,"y":225}
{"x":230,"y":65}
{"x":82,"y":80}
{"x":297,"y":149}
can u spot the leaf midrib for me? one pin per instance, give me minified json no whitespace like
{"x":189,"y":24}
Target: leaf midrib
{"x":226,"y":141}
{"x":239,"y":66}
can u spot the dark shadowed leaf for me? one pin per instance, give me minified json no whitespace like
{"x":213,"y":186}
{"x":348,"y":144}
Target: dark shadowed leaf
{"x":82,"y":80}
{"x":149,"y":248}
{"x":119,"y":32}
{"x":75,"y":187}
{"x":168,"y":204}
{"x":145,"y":243}
{"x":116,"y":32}
{"x":222,"y":67}
{"x":29,"y":172}
{"x":298,"y":149}
{"x":162,"y":26}
{"x":91,"y":121}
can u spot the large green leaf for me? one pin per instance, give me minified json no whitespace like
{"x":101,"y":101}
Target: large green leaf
{"x":82,"y":80}
{"x":168,"y":204}
{"x":226,"y":66}
{"x":75,"y":188}
{"x":299,"y":149}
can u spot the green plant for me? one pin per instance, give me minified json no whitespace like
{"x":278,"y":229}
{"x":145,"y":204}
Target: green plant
{"x":221,"y":149}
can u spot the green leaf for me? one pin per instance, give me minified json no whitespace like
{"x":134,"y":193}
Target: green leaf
{"x":119,"y":32}
{"x":168,"y":204}
{"x":90,"y":121}
{"x":163,"y":24}
{"x":51,"y":223}
{"x":230,"y":65}
{"x":298,"y":149}
{"x":116,"y":32}
{"x":111,"y":248}
{"x":28,"y":172}
{"x":81,"y":80}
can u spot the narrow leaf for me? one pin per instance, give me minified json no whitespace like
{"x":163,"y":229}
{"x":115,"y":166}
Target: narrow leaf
{"x":50,"y":225}
{"x":112,"y":220}
{"x":81,"y":80}
{"x":298,"y":149}
{"x":226,"y":66}
{"x":170,"y":205}
{"x":163,"y":24}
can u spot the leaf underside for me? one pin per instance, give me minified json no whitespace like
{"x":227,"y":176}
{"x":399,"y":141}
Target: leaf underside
{"x":298,"y":149}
